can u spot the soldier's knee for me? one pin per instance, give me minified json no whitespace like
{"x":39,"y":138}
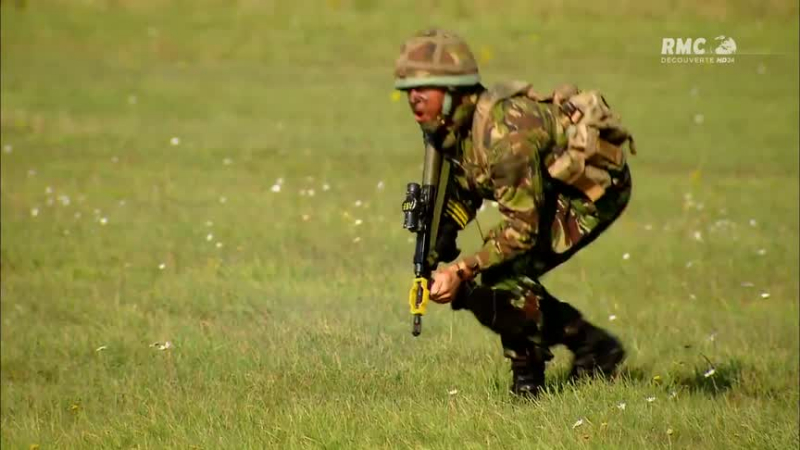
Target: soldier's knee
{"x":493,"y":308}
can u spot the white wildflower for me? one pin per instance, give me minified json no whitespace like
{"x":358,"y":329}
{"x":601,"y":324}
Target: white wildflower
{"x":223,"y":200}
{"x":673,"y":394}
{"x":650,"y":399}
{"x":34,"y":212}
{"x":381,"y":185}
{"x":612,"y":317}
{"x":698,"y":236}
{"x":209,"y":223}
{"x":101,"y":348}
{"x":276,"y":188}
{"x":762,"y":251}
{"x":162,"y":266}
{"x":175,"y":141}
{"x":48,"y":190}
{"x":165,"y":346}
{"x":356,"y":240}
{"x":279,"y":181}
{"x":326,"y":187}
{"x":621,"y":406}
{"x":209,"y":237}
{"x":648,"y":227}
{"x":358,"y":203}
{"x":494,"y":204}
{"x":122,"y":203}
{"x":311,"y":192}
{"x":699,"y":119}
{"x":689,"y":264}
{"x":358,"y":222}
{"x":227,"y":161}
{"x":765,"y":295}
{"x":218,"y":244}
{"x":753,"y":222}
{"x":306,"y":217}
{"x":710,"y":372}
{"x":7,"y":148}
{"x":577,"y":424}
{"x":692,"y":296}
{"x":103,"y":220}
{"x":626,"y":256}
{"x":452,"y":392}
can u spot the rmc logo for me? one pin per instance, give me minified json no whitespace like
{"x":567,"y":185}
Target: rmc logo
{"x":696,"y":49}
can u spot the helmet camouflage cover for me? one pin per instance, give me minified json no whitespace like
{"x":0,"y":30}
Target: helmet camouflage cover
{"x":435,"y":58}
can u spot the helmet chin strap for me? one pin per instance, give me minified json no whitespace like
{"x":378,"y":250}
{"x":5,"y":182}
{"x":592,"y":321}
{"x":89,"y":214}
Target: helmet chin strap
{"x":447,"y":104}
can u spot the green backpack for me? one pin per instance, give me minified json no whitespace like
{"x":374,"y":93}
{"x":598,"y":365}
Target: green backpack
{"x":595,"y":135}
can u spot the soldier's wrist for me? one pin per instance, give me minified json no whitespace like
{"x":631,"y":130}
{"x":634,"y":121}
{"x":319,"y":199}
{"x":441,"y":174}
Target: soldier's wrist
{"x":464,"y":270}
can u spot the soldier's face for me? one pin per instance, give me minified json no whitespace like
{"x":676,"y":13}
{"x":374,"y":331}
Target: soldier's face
{"x":426,"y":103}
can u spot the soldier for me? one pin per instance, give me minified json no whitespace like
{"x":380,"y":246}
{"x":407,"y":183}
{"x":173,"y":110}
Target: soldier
{"x":508,"y":145}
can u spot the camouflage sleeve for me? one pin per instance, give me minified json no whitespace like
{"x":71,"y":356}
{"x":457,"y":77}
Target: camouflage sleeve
{"x":461,"y":208}
{"x":517,"y":131}
{"x":462,"y":202}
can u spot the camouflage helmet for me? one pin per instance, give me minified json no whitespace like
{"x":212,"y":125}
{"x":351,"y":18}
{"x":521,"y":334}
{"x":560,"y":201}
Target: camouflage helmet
{"x":435,"y":58}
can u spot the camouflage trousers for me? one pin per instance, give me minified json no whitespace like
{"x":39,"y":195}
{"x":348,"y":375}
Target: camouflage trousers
{"x":510,"y":300}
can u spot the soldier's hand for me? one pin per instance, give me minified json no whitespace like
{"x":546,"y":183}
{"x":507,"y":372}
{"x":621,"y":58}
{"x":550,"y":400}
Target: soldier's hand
{"x":445,"y":284}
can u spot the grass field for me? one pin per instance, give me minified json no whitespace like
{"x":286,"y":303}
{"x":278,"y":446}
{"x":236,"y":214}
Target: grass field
{"x":142,"y":145}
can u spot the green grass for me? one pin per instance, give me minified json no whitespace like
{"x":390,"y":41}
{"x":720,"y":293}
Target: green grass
{"x":295,"y":333}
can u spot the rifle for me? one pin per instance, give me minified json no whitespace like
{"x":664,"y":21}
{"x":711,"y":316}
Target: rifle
{"x":422,"y":210}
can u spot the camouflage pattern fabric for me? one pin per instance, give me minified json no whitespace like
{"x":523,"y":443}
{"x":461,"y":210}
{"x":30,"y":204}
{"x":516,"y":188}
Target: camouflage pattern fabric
{"x":544,"y":223}
{"x":536,"y":210}
{"x":435,"y":57}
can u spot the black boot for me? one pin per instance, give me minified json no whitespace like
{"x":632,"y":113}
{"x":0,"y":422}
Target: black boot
{"x":527,"y":367}
{"x":527,"y":377}
{"x":596,"y":351}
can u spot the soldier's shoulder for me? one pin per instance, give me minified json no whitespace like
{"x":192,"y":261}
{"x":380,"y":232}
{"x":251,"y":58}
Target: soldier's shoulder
{"x":515,"y":106}
{"x":509,"y":115}
{"x":518,"y":113}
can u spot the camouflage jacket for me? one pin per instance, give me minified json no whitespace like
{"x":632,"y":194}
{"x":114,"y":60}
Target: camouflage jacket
{"x":509,"y":171}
